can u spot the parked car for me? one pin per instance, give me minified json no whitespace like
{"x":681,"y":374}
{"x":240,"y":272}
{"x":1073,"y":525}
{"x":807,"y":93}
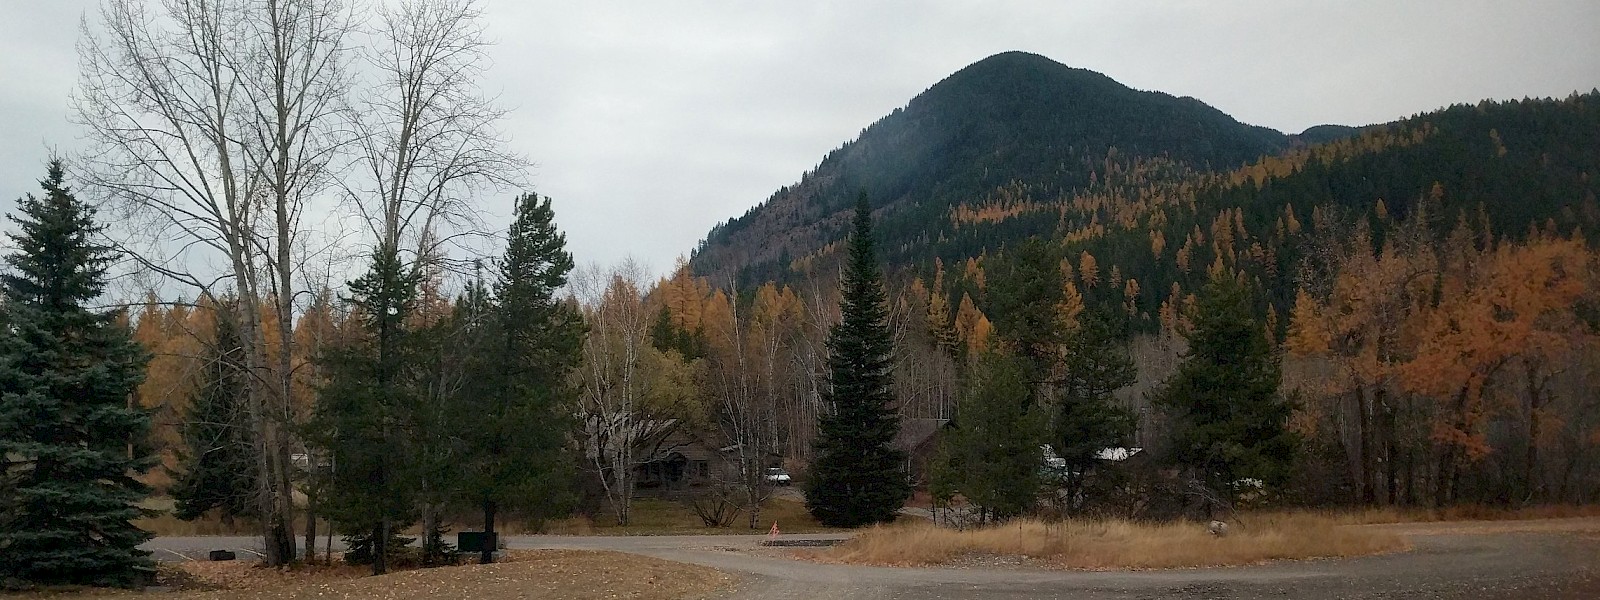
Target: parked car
{"x":778,"y":476}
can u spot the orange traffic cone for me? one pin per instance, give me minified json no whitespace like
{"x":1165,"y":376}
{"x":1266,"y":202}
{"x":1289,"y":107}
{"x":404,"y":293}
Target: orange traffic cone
{"x":774,"y":533}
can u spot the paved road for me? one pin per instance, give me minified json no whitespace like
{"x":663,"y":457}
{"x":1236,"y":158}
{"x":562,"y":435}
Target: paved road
{"x":1447,"y":562}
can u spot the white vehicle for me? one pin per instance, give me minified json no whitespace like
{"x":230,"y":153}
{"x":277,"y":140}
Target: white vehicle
{"x":777,"y":476}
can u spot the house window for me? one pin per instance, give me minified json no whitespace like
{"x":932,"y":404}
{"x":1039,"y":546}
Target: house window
{"x":702,"y":468}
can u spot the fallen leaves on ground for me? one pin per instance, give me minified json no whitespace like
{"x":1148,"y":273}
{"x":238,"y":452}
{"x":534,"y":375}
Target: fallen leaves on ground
{"x":576,"y":574}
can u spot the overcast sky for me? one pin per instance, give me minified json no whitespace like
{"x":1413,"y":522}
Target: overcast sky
{"x":651,"y":121}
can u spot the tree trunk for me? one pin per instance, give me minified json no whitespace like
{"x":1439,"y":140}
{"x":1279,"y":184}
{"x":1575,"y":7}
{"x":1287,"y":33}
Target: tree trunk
{"x":622,"y":474}
{"x":1411,"y":477}
{"x":430,"y":523}
{"x":1531,"y":459}
{"x":755,"y":515}
{"x":1441,"y":485}
{"x":380,"y":547}
{"x":1390,"y":469}
{"x":487,"y":555}
{"x":273,"y":486}
{"x":1364,"y":418}
{"x":311,"y":531}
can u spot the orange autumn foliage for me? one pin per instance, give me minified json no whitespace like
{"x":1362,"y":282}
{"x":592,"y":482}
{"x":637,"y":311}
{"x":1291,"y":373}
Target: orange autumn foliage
{"x":972,"y":326}
{"x":1512,"y":302}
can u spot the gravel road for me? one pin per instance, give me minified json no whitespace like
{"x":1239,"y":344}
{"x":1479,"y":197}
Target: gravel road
{"x":1558,"y":559}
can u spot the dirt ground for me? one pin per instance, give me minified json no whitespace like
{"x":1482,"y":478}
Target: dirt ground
{"x":577,"y":574}
{"x":1556,"y":559}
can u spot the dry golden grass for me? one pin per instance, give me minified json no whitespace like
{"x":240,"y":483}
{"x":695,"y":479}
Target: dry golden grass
{"x":579,"y":574}
{"x":166,"y":524}
{"x":662,"y":517}
{"x":1118,"y":544}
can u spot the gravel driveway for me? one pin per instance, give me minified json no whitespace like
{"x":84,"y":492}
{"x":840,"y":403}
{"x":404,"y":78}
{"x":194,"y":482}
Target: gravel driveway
{"x":1557,"y":559}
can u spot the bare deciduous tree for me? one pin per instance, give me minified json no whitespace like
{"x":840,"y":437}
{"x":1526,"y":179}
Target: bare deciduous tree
{"x":217,"y":123}
{"x":213,"y":124}
{"x":632,"y":395}
{"x":426,"y":135}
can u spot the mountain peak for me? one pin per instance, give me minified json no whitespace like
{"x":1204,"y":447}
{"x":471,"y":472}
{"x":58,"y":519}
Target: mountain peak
{"x":1014,"y":58}
{"x":1019,"y":59}
{"x":1011,"y":117}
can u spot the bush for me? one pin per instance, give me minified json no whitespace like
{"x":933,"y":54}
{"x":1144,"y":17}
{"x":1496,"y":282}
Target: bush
{"x":359,"y":550}
{"x":715,"y":505}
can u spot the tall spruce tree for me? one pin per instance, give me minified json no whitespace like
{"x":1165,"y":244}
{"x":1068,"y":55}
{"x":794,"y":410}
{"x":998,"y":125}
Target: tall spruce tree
{"x":217,"y":469}
{"x":1229,"y":421}
{"x":1088,"y":419}
{"x":859,"y":477}
{"x":519,"y":400}
{"x":71,"y":442}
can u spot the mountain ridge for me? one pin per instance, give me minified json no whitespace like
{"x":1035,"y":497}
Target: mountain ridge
{"x":1011,"y":116}
{"x":1149,"y":196}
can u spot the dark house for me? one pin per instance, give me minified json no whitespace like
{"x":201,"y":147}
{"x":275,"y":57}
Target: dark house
{"x":677,"y":461}
{"x":685,"y":459}
{"x":919,"y":439}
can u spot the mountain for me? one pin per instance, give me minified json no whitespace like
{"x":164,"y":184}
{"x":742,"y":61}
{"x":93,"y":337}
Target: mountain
{"x":1153,"y":191}
{"x":1322,"y":134}
{"x":1012,"y":117}
{"x":1501,"y":169}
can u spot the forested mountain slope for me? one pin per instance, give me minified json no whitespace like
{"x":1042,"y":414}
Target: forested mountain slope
{"x":1144,"y":193}
{"x":1012,"y":117}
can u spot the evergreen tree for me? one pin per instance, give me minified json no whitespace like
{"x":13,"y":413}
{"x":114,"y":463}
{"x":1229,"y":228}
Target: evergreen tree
{"x":859,"y":477}
{"x":70,"y":441}
{"x":1229,"y":421}
{"x":362,"y":410}
{"x":217,"y":471}
{"x":665,"y":336}
{"x":1024,"y":290}
{"x":440,"y":346}
{"x":993,"y":450}
{"x":1088,"y":418}
{"x":519,"y":397}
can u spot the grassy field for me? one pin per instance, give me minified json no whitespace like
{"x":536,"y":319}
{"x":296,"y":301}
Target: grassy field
{"x":166,"y":524}
{"x":1118,"y":544}
{"x":578,"y":574}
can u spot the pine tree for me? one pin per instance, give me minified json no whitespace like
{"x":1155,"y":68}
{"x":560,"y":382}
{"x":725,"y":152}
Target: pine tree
{"x":1076,"y":356}
{"x":859,"y":477}
{"x":666,"y":335}
{"x":520,"y":398}
{"x":362,"y":409}
{"x":993,"y":449}
{"x":1088,"y":418}
{"x":441,"y":340}
{"x":1229,"y":421}
{"x":217,"y":471}
{"x":1024,"y":292}
{"x":71,"y":442}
